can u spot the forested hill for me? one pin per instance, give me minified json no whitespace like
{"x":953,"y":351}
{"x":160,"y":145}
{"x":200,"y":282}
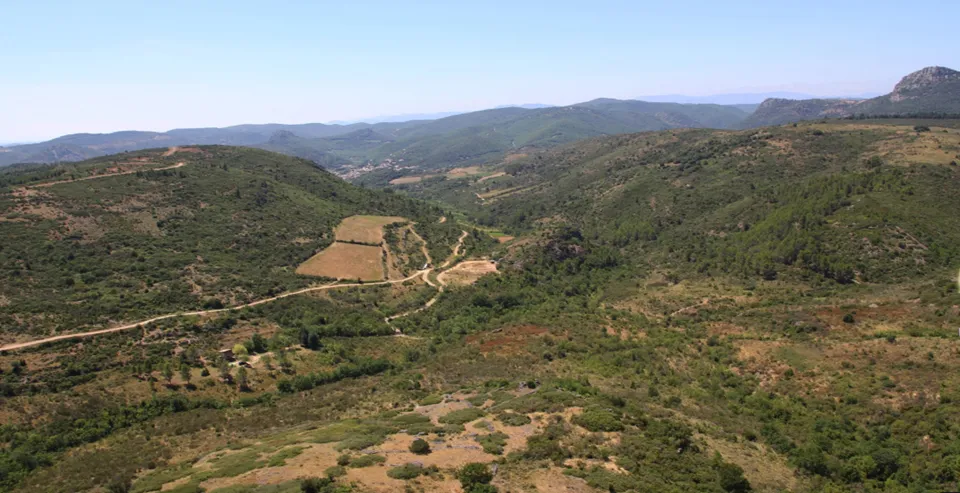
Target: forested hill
{"x":202,"y":226}
{"x":850,"y":201}
{"x":450,"y":141}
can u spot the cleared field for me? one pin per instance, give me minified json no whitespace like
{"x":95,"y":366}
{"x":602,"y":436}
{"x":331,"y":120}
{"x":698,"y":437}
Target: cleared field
{"x":406,"y":180}
{"x":467,"y":272}
{"x":464,"y":172}
{"x":345,"y":261}
{"x":364,"y":229}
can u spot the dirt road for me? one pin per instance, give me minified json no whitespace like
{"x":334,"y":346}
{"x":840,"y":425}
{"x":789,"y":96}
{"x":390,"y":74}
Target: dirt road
{"x":94,"y":177}
{"x":420,"y":273}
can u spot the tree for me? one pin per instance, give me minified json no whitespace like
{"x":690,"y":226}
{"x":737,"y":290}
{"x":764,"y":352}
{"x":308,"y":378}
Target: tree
{"x":259,"y":343}
{"x":242,"y":383}
{"x":474,"y":474}
{"x":167,"y":371}
{"x":731,"y":478}
{"x":224,"y":370}
{"x":240,"y":351}
{"x":185,"y":373}
{"x":420,"y":447}
{"x":315,"y":485}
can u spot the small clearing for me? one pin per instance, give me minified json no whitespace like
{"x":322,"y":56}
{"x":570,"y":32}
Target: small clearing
{"x":467,"y":272}
{"x":345,"y":261}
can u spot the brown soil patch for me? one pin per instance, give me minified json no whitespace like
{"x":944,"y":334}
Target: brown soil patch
{"x":504,"y":239}
{"x":507,"y":340}
{"x":467,"y":272}
{"x":345,"y":261}
{"x":364,"y":229}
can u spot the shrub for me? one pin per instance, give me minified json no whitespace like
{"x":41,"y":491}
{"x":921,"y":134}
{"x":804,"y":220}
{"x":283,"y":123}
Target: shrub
{"x":406,"y":471}
{"x":335,"y":471}
{"x":599,"y":420}
{"x":848,"y":318}
{"x":474,"y":474}
{"x":367,"y":460}
{"x":513,"y":419}
{"x":315,"y":485}
{"x":731,"y":478}
{"x":493,"y":443}
{"x":420,"y":447}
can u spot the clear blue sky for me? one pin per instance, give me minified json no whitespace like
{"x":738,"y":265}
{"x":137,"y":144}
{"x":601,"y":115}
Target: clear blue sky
{"x":98,"y":66}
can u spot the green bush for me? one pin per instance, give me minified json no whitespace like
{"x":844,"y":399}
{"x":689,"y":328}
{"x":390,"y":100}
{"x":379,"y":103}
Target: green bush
{"x":474,"y":474}
{"x":493,"y":443}
{"x":406,"y":471}
{"x":599,"y":420}
{"x":420,"y":447}
{"x":366,"y":460}
{"x":513,"y":419}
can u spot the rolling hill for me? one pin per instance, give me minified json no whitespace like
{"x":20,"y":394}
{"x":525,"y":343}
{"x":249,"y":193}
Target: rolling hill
{"x":929,"y":91}
{"x":152,"y":231}
{"x":450,"y":141}
{"x":682,"y":310}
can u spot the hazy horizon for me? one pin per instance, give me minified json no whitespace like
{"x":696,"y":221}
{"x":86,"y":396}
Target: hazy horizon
{"x":106,"y":66}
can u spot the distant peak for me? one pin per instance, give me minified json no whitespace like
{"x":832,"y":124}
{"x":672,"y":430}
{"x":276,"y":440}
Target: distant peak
{"x":281,"y":136}
{"x":926,"y":77}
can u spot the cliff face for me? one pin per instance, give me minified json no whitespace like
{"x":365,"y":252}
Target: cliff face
{"x":932,"y":90}
{"x":926,"y":78}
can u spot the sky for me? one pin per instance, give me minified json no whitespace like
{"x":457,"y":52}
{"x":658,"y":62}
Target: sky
{"x":101,"y":66}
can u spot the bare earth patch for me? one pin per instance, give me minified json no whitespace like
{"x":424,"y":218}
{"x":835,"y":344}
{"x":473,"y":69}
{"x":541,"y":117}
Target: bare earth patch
{"x":467,"y":272}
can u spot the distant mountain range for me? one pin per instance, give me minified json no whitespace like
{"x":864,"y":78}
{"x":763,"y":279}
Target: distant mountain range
{"x":450,"y":141}
{"x":475,"y":137}
{"x":930,"y":91}
{"x":746,"y":98}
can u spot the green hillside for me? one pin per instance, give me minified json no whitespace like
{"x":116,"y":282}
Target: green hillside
{"x":683,"y":310}
{"x":228,"y":226}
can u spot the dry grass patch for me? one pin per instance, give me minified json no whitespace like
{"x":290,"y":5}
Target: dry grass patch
{"x":407,"y":180}
{"x":345,"y":261}
{"x":365,"y":229}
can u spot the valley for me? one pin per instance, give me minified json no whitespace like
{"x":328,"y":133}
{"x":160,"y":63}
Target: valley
{"x":769,"y":309}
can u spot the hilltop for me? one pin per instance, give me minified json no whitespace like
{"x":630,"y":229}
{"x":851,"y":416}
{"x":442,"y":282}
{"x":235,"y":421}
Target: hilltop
{"x":929,"y":91}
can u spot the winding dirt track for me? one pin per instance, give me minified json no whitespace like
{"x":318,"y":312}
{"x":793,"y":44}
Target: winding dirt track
{"x":424,"y":273}
{"x":426,"y":277}
{"x":94,"y":177}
